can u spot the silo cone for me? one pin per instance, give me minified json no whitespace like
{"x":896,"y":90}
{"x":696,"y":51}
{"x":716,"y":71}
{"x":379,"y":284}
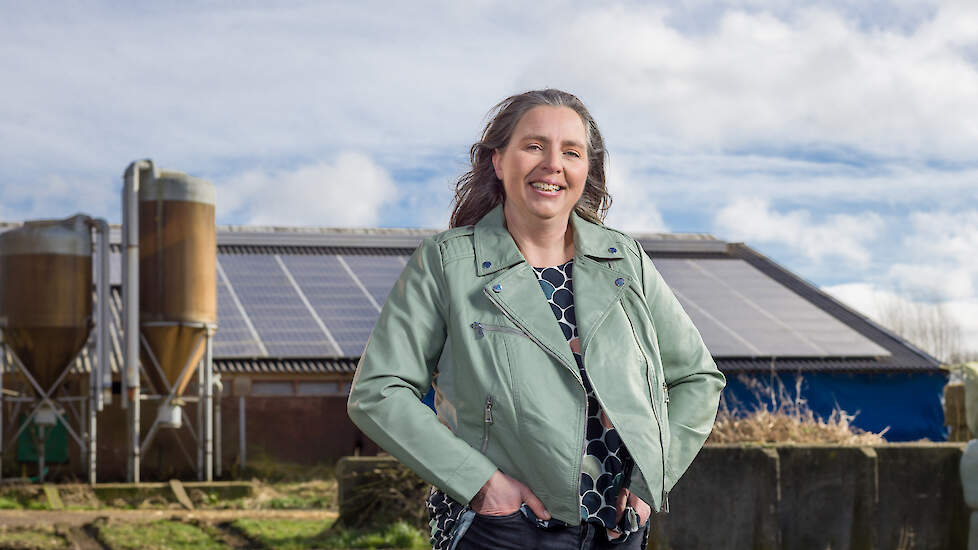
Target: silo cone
{"x":177,"y":280}
{"x":46,"y":295}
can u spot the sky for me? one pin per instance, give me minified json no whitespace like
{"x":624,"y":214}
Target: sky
{"x":840,"y":139}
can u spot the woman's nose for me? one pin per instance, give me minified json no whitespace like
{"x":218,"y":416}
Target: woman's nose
{"x":552,"y":161}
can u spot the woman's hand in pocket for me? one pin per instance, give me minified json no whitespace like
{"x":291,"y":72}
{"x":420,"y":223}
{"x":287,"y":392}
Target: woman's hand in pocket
{"x":502,"y":495}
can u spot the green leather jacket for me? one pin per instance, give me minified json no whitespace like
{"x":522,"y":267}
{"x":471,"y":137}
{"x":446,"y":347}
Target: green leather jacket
{"x":467,"y":315}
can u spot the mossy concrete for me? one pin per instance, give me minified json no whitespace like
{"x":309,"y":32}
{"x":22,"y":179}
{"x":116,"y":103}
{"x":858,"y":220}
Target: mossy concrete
{"x":804,"y":497}
{"x":108,"y":492}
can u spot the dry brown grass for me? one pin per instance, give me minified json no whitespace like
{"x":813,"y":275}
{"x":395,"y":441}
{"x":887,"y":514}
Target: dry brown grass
{"x":783,"y":416}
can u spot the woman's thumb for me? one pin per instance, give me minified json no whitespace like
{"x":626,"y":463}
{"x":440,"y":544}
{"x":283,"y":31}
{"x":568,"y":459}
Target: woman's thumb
{"x":534,"y":503}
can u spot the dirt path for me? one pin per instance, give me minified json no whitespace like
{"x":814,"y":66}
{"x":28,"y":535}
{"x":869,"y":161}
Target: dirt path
{"x":78,"y":518}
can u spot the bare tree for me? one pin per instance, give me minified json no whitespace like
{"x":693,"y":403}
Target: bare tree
{"x":928,"y":326}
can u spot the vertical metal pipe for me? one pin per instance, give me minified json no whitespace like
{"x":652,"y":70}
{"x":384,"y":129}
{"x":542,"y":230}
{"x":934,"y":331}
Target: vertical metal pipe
{"x":102,"y":371}
{"x":3,"y":369}
{"x":200,"y":417}
{"x":241,"y":432}
{"x":208,"y":407}
{"x":103,"y":388}
{"x":136,"y":403}
{"x":92,"y":440}
{"x":130,"y":300}
{"x":218,"y":440}
{"x":41,"y":452}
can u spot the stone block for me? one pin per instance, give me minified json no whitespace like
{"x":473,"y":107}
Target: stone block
{"x":921,"y":504}
{"x":969,"y":474}
{"x":377,"y":491}
{"x":727,"y":499}
{"x":828,"y":496}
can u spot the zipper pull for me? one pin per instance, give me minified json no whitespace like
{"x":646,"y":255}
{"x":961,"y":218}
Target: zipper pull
{"x":665,"y":391}
{"x":665,"y":502}
{"x":479,"y":333}
{"x":488,"y":416}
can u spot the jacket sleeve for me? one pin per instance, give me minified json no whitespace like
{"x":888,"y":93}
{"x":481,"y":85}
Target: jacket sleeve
{"x":691,"y":375}
{"x":395,"y":371}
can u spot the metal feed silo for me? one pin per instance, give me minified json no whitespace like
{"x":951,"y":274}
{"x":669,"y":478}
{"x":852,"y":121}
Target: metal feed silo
{"x":177,"y":274}
{"x":46,"y":294}
{"x":170,"y":302}
{"x":46,"y":318}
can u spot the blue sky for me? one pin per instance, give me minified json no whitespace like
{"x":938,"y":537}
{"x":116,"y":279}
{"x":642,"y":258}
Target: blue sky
{"x":840,"y":140}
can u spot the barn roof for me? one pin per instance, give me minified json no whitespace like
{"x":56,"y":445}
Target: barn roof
{"x":303,"y":300}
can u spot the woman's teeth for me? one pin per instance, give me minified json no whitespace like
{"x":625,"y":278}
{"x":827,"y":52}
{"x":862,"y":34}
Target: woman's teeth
{"x":548,"y":187}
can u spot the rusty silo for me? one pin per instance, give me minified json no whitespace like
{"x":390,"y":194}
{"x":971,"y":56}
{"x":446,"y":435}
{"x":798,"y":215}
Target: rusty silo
{"x":46,"y":307}
{"x":170,"y":234}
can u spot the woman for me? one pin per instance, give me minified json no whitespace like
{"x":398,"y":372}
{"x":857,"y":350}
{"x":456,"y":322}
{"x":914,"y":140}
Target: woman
{"x":572,"y":391}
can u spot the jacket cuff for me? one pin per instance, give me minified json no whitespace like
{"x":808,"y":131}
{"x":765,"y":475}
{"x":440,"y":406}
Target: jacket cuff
{"x":469,"y":477}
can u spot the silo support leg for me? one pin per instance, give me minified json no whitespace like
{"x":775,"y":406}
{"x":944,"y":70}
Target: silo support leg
{"x":208,"y":409}
{"x":3,"y":369}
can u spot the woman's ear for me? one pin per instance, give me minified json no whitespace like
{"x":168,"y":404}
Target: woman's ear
{"x":497,"y":160}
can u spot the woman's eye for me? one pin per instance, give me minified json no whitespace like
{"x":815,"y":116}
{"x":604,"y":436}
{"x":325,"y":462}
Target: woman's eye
{"x":573,"y":154}
{"x":534,"y":147}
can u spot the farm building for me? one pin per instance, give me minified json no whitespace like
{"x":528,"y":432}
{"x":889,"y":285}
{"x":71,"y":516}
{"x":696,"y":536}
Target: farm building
{"x":296,"y":306}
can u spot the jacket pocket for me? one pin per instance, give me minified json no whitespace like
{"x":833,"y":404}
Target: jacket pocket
{"x":486,"y":422}
{"x":482,"y":328}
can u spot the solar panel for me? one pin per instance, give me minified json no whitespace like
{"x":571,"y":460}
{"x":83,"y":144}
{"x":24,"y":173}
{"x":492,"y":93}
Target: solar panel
{"x":284,"y":323}
{"x":377,"y":273}
{"x":338,"y":299}
{"x":743,"y":312}
{"x":234,"y":337}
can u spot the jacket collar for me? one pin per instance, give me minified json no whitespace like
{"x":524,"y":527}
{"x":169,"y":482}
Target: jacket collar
{"x":495,"y":248}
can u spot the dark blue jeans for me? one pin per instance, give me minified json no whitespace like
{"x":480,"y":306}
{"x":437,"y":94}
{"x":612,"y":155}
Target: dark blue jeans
{"x":516,"y":532}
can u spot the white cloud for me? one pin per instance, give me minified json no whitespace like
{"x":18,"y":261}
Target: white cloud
{"x":884,"y":306}
{"x":634,"y":204}
{"x":349,"y":191}
{"x":798,"y":81}
{"x":841,"y":236}
{"x":940,"y":258}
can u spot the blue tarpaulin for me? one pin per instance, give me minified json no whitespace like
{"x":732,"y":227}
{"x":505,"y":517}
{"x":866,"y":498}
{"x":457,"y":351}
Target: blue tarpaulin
{"x":909,"y":404}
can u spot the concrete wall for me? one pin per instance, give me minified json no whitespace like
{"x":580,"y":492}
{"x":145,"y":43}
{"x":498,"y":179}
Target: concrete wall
{"x":889,"y":496}
{"x":896,"y":496}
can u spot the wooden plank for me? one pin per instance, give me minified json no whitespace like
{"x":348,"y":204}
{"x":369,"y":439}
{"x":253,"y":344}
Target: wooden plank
{"x":54,"y":499}
{"x":181,"y":494}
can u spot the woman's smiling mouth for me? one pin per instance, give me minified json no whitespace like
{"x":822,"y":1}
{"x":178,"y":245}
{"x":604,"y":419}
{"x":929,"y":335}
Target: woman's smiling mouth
{"x":545,"y":187}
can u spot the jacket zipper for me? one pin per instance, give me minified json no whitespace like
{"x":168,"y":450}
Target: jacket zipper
{"x":664,"y":504}
{"x":481,"y":329}
{"x":486,"y":421}
{"x":580,"y":432}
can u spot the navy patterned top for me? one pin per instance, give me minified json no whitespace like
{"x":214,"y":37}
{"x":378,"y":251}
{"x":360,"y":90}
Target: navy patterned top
{"x":605,"y":464}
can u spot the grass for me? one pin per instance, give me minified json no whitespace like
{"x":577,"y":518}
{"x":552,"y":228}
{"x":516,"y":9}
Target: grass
{"x":315,"y":494}
{"x":287,"y":534}
{"x":8,"y":503}
{"x":24,"y":497}
{"x":31,"y":539}
{"x":159,"y":535}
{"x":783,"y":416}
{"x":264,"y":467}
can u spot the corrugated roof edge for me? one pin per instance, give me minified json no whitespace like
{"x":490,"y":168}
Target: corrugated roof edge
{"x":397,"y":238}
{"x":405,"y":238}
{"x":898,"y":346}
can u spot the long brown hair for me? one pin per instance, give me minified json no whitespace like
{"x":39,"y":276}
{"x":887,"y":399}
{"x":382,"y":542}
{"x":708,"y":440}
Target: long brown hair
{"x":479,"y":190}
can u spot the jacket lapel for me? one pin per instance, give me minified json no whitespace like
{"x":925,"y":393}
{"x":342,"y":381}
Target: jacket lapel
{"x":514,"y":288}
{"x":597,"y":282}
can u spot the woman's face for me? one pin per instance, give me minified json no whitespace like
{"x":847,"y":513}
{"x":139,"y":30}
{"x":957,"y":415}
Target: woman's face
{"x":544,"y":166}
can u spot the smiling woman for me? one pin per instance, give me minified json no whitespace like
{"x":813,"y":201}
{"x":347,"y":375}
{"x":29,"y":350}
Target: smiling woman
{"x":571,"y":389}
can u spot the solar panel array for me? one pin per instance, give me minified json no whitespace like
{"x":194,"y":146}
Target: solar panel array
{"x":741,"y":312}
{"x":325,"y":305}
